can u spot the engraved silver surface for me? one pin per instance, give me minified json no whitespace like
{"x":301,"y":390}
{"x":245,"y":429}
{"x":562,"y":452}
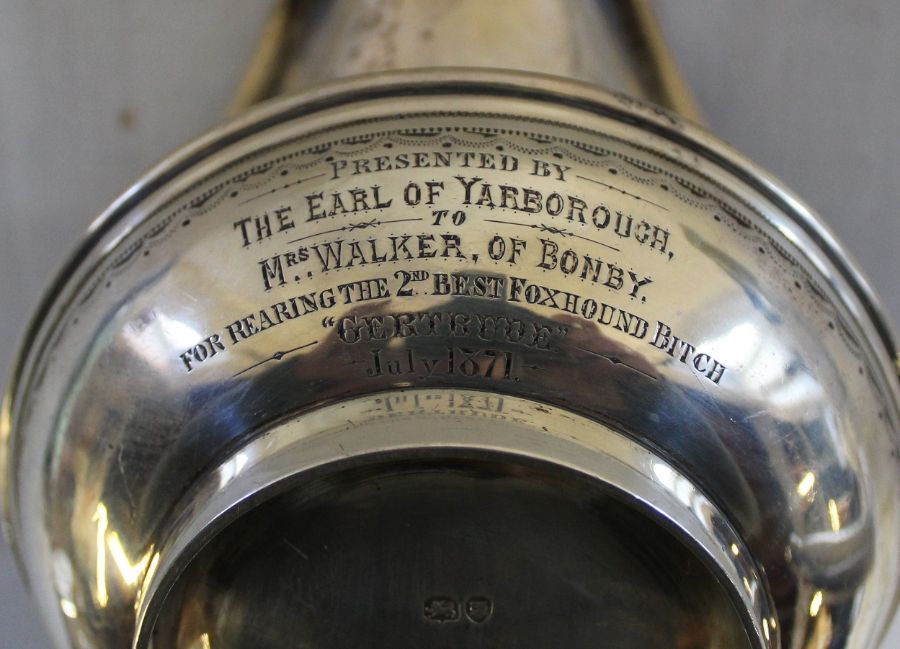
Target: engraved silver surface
{"x":646,"y":297}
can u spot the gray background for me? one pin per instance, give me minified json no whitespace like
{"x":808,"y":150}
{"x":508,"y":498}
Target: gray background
{"x":94,"y":91}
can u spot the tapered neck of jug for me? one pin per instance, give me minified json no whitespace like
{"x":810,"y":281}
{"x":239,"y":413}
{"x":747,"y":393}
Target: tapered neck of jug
{"x":616,"y":44}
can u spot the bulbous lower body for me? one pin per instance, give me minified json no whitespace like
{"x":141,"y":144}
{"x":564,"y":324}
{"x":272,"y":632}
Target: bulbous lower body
{"x":458,"y":358}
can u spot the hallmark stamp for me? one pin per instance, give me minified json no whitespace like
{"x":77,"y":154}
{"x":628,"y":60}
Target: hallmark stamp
{"x":479,"y":609}
{"x":443,"y":609}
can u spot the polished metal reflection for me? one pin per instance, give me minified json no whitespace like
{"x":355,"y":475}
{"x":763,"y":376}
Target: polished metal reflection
{"x":396,"y":511}
{"x":457,"y":357}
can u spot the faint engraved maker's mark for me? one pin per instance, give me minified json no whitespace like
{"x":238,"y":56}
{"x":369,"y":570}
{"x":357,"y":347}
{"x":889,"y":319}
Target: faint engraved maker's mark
{"x":442,"y":609}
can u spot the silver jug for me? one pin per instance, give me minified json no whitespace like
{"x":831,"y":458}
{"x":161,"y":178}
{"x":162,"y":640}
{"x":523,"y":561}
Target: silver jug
{"x":457,"y":357}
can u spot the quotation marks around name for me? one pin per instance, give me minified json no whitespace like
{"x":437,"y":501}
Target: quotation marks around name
{"x":443,"y":609}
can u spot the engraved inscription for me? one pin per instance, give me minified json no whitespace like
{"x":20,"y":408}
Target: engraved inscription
{"x":330,"y":255}
{"x":563,"y":205}
{"x":461,"y":225}
{"x":450,"y":324}
{"x":460,"y":361}
{"x":405,"y":161}
{"x":260,"y":227}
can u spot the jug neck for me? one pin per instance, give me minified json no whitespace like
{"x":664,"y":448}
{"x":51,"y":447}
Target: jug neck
{"x":612,"y":43}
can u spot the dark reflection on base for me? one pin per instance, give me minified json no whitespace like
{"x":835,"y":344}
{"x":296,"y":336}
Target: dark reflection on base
{"x":420,"y":553}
